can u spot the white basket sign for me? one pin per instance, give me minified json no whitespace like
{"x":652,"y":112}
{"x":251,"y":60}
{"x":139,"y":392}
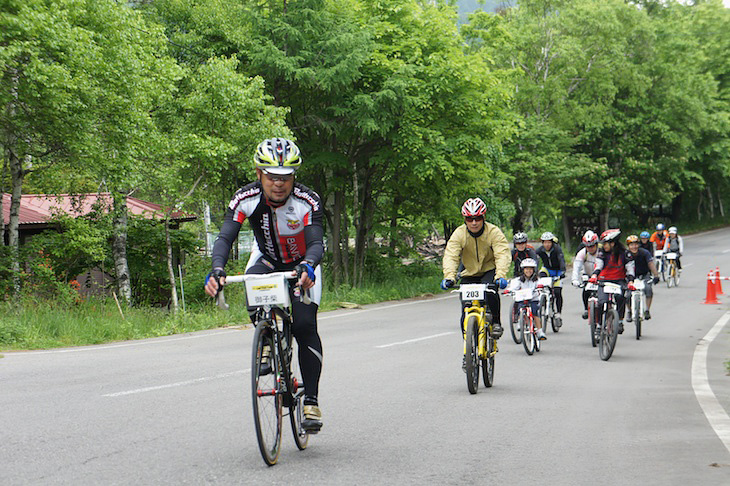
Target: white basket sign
{"x":472,"y":291}
{"x":612,"y":288}
{"x":671,"y":256}
{"x":523,"y":294}
{"x":267,"y":290}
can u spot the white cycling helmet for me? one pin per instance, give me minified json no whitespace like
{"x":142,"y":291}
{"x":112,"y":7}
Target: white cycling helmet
{"x":473,"y":207}
{"x":547,"y":236}
{"x":672,"y":230}
{"x":528,"y":262}
{"x":660,"y":227}
{"x":590,"y":238}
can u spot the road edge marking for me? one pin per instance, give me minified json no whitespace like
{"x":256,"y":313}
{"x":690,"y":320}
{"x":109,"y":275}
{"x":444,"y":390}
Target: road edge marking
{"x":175,"y":385}
{"x":711,"y":407}
{"x":409,"y":341}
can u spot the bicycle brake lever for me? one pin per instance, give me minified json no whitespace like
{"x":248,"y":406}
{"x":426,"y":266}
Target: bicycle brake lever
{"x":220,"y":299}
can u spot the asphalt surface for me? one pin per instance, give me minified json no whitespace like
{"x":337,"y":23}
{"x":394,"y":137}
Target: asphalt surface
{"x":177,"y":410}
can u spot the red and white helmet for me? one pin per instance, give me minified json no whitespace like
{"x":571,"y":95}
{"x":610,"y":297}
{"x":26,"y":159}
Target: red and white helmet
{"x":590,"y":238}
{"x":610,"y":235}
{"x":473,"y":207}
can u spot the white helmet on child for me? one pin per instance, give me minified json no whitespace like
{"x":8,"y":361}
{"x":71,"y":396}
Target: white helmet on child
{"x":528,"y":262}
{"x":672,"y":230}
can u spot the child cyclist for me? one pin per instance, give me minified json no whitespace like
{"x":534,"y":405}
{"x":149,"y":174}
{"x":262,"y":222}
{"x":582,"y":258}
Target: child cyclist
{"x":528,"y":280}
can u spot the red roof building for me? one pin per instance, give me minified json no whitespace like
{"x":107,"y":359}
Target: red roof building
{"x":37,"y":210}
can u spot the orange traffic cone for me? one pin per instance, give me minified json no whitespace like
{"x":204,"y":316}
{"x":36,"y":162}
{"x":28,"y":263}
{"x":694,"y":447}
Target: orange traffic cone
{"x":711,"y":297}
{"x":718,"y":283}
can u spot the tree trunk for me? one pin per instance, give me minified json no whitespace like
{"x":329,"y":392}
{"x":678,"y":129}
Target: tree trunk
{"x":17,"y":174}
{"x":677,"y":207}
{"x":711,"y":202}
{"x":170,"y":267}
{"x":3,"y":175}
{"x":603,"y":220}
{"x":334,"y":216}
{"x":362,"y":227}
{"x":719,"y":203}
{"x":119,"y":247}
{"x":397,"y":200}
{"x":566,"y":232}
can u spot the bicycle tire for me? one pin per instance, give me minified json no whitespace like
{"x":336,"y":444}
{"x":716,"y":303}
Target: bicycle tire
{"x":592,"y":323}
{"x":536,"y":340}
{"x":543,"y":311}
{"x":528,"y":336}
{"x":296,"y":415}
{"x":472,"y":354}
{"x":266,"y":397}
{"x":296,"y":411}
{"x":555,"y":322}
{"x":488,"y":362}
{"x":636,"y":309}
{"x":670,"y":276}
{"x":676,"y":276}
{"x":516,"y":335}
{"x":609,"y":334}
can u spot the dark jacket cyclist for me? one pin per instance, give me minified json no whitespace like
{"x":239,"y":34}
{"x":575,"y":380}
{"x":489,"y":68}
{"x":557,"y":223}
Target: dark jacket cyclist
{"x":286,"y":218}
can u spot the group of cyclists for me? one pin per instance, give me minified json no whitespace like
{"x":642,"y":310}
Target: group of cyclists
{"x":479,"y":252}
{"x":286,"y":218}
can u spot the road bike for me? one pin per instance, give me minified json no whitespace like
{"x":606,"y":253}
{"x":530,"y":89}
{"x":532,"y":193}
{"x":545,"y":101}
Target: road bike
{"x":609,"y":320}
{"x":479,"y":345}
{"x":660,"y":263}
{"x":672,"y":270}
{"x":275,"y":379}
{"x":595,"y":329}
{"x":526,"y":321}
{"x":547,"y":303}
{"x":638,"y":304}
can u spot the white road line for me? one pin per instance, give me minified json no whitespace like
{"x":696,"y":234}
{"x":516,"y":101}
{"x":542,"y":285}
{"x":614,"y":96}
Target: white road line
{"x":319,"y":318}
{"x":174,"y":385}
{"x":416,"y":340}
{"x":208,"y":334}
{"x":725,"y":251}
{"x":716,"y":415}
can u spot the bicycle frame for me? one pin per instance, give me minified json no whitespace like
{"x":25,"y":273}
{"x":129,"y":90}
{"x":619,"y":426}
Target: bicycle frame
{"x":638,"y":297}
{"x":483,"y":316}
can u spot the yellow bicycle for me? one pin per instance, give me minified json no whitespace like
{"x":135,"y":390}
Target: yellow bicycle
{"x":479,"y":345}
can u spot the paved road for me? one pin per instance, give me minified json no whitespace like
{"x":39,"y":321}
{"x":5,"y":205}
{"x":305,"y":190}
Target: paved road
{"x":177,"y":411}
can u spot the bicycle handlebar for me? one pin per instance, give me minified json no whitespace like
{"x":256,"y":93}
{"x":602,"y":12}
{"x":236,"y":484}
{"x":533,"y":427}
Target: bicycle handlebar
{"x":221,"y":299}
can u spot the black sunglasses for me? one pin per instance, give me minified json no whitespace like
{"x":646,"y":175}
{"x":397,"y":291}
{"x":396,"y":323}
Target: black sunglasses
{"x":474,"y":218}
{"x":279,"y":178}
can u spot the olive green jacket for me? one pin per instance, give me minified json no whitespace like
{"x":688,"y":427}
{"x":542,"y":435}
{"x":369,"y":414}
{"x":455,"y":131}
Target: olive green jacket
{"x":479,"y":255}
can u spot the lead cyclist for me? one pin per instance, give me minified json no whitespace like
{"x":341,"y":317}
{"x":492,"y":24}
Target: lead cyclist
{"x":286,"y":218}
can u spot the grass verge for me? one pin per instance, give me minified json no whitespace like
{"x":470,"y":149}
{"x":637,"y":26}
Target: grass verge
{"x":42,"y":325}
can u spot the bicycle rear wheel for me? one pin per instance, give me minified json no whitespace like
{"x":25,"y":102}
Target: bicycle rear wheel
{"x":296,"y":409}
{"x":528,"y":335}
{"x":592,"y":322}
{"x":472,"y":354}
{"x":514,"y":319}
{"x":266,"y":395}
{"x":488,"y":362}
{"x":555,"y":322}
{"x":609,"y":334}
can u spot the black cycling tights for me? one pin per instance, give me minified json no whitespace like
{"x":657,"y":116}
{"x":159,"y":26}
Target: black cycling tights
{"x":304,"y":329}
{"x":558,"y":292}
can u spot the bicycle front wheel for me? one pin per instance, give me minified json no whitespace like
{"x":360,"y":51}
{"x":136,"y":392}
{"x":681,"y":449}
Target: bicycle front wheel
{"x":267,"y":398}
{"x":609,"y":334}
{"x":670,"y":275}
{"x":513,"y":326}
{"x":592,"y":322}
{"x":472,"y":354}
{"x":528,"y":335}
{"x":636,"y":309}
{"x":488,"y":362}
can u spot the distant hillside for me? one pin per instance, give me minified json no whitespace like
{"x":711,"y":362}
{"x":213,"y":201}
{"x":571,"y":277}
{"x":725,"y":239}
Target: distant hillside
{"x":468,"y":6}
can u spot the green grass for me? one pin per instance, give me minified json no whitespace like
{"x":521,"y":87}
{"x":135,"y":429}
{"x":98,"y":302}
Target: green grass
{"x":43,"y":325}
